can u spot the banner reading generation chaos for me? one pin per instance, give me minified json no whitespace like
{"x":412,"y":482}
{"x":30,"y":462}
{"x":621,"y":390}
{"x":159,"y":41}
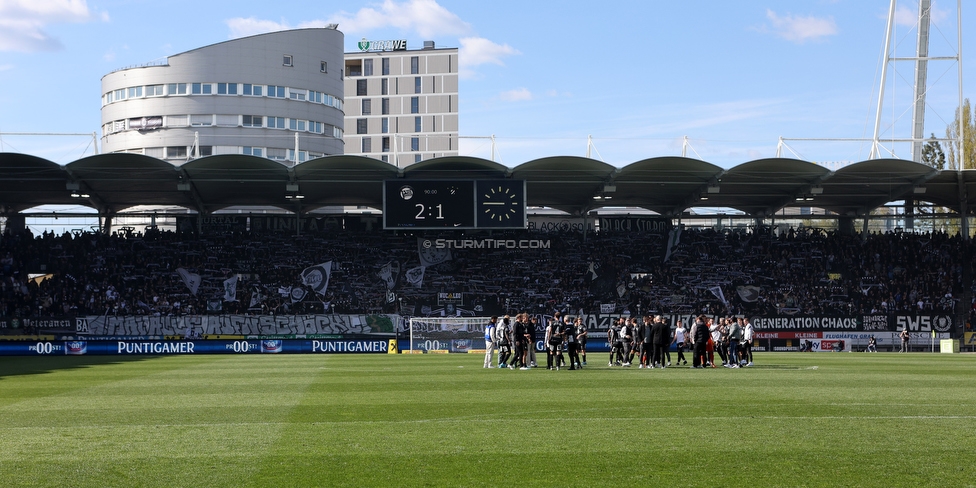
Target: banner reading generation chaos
{"x":158,"y":348}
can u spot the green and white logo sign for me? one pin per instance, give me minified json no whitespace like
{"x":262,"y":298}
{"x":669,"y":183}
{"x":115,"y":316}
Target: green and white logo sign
{"x":397,"y":45}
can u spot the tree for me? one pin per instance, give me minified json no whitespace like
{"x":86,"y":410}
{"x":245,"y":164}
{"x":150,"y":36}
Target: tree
{"x":969,"y":142}
{"x":932,"y":154}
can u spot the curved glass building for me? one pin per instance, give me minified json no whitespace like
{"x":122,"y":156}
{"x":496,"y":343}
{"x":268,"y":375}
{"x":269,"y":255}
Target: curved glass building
{"x":277,"y":95}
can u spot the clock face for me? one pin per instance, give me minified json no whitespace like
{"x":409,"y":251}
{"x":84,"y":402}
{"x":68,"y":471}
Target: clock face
{"x":501,"y":203}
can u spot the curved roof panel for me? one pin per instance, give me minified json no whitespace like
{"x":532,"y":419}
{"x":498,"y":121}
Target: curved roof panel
{"x":666,"y":185}
{"x":343,"y":180}
{"x":234,"y":179}
{"x":567,"y":183}
{"x":28,"y":181}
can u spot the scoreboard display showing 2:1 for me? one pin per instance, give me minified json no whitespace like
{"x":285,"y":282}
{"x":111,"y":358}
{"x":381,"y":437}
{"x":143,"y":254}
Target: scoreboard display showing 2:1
{"x":428,"y":204}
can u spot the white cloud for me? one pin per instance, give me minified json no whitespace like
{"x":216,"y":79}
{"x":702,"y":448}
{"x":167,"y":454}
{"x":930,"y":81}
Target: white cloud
{"x":241,"y":27}
{"x":23,"y":22}
{"x":908,"y":17}
{"x":516,"y":95}
{"x":425,"y":17}
{"x":800,"y":29}
{"x":475,"y":51}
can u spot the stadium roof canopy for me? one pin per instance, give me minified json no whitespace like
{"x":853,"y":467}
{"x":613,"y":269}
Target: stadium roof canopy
{"x":111,"y":183}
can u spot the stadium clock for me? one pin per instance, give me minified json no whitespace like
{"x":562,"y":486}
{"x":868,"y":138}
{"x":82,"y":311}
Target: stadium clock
{"x":501,"y":204}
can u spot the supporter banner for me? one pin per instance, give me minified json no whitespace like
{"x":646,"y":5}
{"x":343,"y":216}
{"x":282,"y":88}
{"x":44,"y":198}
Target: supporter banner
{"x":650,"y":225}
{"x":256,"y":325}
{"x":969,"y":339}
{"x":47,"y":325}
{"x":275,"y":224}
{"x":866,"y":323}
{"x":158,"y":348}
{"x":550,"y":225}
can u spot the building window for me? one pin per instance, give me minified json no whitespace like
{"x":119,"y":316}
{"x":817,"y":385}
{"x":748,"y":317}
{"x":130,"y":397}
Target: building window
{"x":367,"y":67}
{"x":119,"y":94}
{"x":367,"y":106}
{"x":415,"y":105}
{"x":384,"y":86}
{"x":201,"y":120}
{"x":176,"y":88}
{"x":416,"y":158}
{"x":253,"y":90}
{"x":386,"y":66}
{"x":176,"y":152}
{"x":385,"y":159}
{"x":277,"y":153}
{"x":252,"y":151}
{"x":360,"y":126}
{"x":202,"y":89}
{"x":276,"y":91}
{"x":155,"y":91}
{"x":385,"y":122}
{"x":360,"y":88}
{"x":287,"y":60}
{"x":296,"y":94}
{"x":367,"y":145}
{"x":414,"y":65}
{"x":385,"y":106}
{"x":414,"y":143}
{"x":386,"y":144}
{"x":417,"y":124}
{"x":253,"y":121}
{"x":323,"y":67}
{"x":276,"y":122}
{"x":417,"y":85}
{"x":227,"y":88}
{"x":135,"y":91}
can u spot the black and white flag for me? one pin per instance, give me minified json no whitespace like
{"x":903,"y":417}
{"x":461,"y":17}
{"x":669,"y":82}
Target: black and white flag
{"x":191,"y":280}
{"x":317,"y":277}
{"x":415,"y":276}
{"x":430,"y":254}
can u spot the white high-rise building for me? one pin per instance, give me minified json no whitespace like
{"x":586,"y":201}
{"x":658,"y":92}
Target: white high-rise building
{"x":401,"y":105}
{"x":277,"y":95}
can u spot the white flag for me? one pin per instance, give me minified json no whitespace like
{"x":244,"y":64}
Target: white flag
{"x":749,"y":293}
{"x":230,"y":289}
{"x":674,"y":238}
{"x":317,"y":277}
{"x":415,"y":276}
{"x":191,"y":280}
{"x":389,"y":273}
{"x":430,"y":254}
{"x":256,"y":299}
{"x":717,"y":291}
{"x":297,"y":294}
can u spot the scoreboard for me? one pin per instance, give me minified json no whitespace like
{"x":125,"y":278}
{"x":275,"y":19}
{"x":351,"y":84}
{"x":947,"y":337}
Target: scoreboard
{"x":454,"y":204}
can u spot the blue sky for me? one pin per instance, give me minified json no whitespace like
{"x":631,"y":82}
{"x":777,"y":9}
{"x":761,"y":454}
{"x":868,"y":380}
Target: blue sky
{"x":638,"y":76}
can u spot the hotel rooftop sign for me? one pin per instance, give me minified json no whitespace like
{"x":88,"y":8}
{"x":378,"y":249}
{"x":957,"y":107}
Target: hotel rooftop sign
{"x":397,"y":45}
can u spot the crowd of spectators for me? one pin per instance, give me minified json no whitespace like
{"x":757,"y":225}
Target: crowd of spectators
{"x":757,"y":272}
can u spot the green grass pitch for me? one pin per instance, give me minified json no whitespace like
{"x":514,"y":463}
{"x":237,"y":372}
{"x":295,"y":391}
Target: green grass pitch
{"x":795,"y":419}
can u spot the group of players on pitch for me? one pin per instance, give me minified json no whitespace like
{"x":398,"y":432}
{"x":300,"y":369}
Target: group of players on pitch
{"x":649,"y":340}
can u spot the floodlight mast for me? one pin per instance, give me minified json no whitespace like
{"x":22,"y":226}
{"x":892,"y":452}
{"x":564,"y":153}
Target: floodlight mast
{"x":921,"y":60}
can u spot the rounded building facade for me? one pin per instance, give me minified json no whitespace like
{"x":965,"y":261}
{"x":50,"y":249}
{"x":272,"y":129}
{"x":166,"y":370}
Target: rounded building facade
{"x":277,"y":95}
